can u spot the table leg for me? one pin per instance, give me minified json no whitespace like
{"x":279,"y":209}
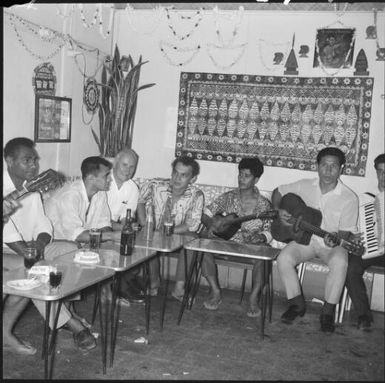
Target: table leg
{"x":53,"y":339}
{"x":114,"y":317}
{"x":195,"y":286}
{"x":96,"y":305}
{"x":271,"y":291}
{"x":165,"y":293}
{"x":187,"y":284}
{"x":46,"y":337}
{"x":103,"y":328}
{"x":264,"y":295}
{"x":147,"y":304}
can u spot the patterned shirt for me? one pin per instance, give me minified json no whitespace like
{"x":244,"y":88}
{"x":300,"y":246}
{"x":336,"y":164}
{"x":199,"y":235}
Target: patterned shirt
{"x":230,"y":202}
{"x":186,"y":210}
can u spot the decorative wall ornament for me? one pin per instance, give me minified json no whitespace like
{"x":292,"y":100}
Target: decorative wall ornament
{"x":334,"y":49}
{"x":278,"y":57}
{"x":303,"y":51}
{"x":91,"y":95}
{"x":291,"y":62}
{"x":284,"y":121}
{"x":44,"y":80}
{"x":380,"y":53}
{"x":361,"y":64}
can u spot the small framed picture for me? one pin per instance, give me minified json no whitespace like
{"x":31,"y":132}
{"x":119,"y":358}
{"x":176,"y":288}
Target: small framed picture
{"x":52,"y":119}
{"x":334,"y":48}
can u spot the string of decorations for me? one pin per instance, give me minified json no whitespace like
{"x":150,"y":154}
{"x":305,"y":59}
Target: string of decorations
{"x":188,"y":34}
{"x":111,"y":18}
{"x":339,"y":14}
{"x":97,"y":15}
{"x":163,"y":44}
{"x":154,"y":22}
{"x":342,"y":65}
{"x":269,"y":43}
{"x":233,"y":47}
{"x":239,"y":17}
{"x":99,"y":64}
{"x":36,"y":55}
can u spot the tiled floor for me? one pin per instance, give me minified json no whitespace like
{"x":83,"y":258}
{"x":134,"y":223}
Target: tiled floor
{"x":221,"y":345}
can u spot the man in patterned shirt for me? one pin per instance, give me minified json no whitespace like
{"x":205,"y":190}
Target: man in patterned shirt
{"x":180,"y":200}
{"x":244,"y":200}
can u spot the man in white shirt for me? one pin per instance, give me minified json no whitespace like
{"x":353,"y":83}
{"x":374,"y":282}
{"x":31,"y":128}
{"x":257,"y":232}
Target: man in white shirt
{"x":122,"y":195}
{"x":339,"y":207}
{"x":27,"y":226}
{"x":357,"y":265}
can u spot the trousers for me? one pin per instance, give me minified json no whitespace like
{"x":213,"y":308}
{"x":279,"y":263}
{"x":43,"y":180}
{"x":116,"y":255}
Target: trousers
{"x":355,"y":283}
{"x":335,"y":258}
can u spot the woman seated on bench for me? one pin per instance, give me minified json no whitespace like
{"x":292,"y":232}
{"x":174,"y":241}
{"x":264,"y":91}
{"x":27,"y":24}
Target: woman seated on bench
{"x":245,"y":200}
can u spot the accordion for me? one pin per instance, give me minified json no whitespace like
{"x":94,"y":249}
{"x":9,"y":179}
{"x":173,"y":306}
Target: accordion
{"x":370,"y":208}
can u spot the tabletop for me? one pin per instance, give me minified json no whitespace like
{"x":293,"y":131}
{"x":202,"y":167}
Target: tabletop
{"x":75,"y":278}
{"x":158,"y":241}
{"x":110,"y":257}
{"x":236,"y":249}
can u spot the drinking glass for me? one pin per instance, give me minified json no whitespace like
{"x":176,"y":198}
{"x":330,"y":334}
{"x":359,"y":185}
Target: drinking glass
{"x":30,"y":257}
{"x":95,"y":237}
{"x":55,"y":278}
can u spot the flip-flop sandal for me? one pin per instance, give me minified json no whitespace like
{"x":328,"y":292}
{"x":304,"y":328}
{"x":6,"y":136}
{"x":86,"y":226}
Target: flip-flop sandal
{"x":253,"y":312}
{"x":212,"y":304}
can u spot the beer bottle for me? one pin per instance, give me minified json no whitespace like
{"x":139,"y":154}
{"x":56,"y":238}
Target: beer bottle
{"x":127,"y":239}
{"x":150,"y":225}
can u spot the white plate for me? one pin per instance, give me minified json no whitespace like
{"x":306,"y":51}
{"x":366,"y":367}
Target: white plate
{"x":24,"y":284}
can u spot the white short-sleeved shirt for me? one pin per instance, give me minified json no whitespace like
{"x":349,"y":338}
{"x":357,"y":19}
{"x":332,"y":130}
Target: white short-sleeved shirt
{"x":339,"y":207}
{"x":71,"y":212}
{"x":29,"y":220}
{"x":119,"y":200}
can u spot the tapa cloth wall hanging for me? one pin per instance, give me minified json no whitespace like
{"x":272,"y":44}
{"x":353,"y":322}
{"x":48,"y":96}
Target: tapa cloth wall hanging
{"x":284,"y":121}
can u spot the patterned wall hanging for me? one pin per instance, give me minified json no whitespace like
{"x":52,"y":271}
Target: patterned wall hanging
{"x":44,"y":79}
{"x":285,"y":121}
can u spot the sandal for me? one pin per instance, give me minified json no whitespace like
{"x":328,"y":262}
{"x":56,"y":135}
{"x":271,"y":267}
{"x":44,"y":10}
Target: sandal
{"x":254,"y":311}
{"x":212,"y":304}
{"x":84,"y":340}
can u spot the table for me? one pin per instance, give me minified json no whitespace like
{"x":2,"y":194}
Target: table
{"x":75,"y":278}
{"x":111,"y":259}
{"x":239,"y":250}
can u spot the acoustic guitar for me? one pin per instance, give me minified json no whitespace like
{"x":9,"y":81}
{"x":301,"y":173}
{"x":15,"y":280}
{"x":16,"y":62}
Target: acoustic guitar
{"x":232,"y":223}
{"x":48,"y":180}
{"x":305,"y":222}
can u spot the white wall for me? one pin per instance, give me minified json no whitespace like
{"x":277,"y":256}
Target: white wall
{"x":18,"y":94}
{"x":155,"y":126}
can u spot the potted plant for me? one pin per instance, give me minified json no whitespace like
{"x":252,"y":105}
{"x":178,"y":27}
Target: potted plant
{"x":117,"y":107}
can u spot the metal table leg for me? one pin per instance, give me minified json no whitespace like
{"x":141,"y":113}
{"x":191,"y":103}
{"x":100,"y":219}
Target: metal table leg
{"x":103,"y":304}
{"x":165,"y":293}
{"x":188,"y":285}
{"x":114,"y":314}
{"x":53,"y":339}
{"x":147,"y":305}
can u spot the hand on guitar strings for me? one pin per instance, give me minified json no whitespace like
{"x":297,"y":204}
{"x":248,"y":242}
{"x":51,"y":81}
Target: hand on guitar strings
{"x":331,"y":240}
{"x":285,"y":217}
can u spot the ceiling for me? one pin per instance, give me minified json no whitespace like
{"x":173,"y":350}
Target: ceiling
{"x":269,"y":6}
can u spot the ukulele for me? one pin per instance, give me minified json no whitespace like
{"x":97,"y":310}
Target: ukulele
{"x":232,"y":222}
{"x":45,"y":181}
{"x":305,"y":222}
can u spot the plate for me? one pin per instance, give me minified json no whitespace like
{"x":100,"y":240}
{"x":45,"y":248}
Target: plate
{"x":24,"y":284}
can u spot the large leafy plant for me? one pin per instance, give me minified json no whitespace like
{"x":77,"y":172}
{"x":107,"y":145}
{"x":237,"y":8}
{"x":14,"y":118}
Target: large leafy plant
{"x":117,"y":107}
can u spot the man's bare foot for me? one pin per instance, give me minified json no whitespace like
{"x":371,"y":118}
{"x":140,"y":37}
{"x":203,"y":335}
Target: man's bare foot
{"x":12,"y":344}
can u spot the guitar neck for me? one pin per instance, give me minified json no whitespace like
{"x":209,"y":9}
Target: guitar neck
{"x":16,"y":194}
{"x":320,"y":233}
{"x":244,"y":218}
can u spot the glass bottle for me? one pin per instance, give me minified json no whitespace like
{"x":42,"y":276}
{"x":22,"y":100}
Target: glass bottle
{"x":150,"y":224}
{"x":127,"y":239}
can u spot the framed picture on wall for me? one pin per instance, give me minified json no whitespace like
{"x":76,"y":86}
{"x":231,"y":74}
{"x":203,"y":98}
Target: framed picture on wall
{"x":52,"y":119}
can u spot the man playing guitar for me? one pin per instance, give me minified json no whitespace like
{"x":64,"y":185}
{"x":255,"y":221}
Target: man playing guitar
{"x":245,"y":200}
{"x":339,"y":208}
